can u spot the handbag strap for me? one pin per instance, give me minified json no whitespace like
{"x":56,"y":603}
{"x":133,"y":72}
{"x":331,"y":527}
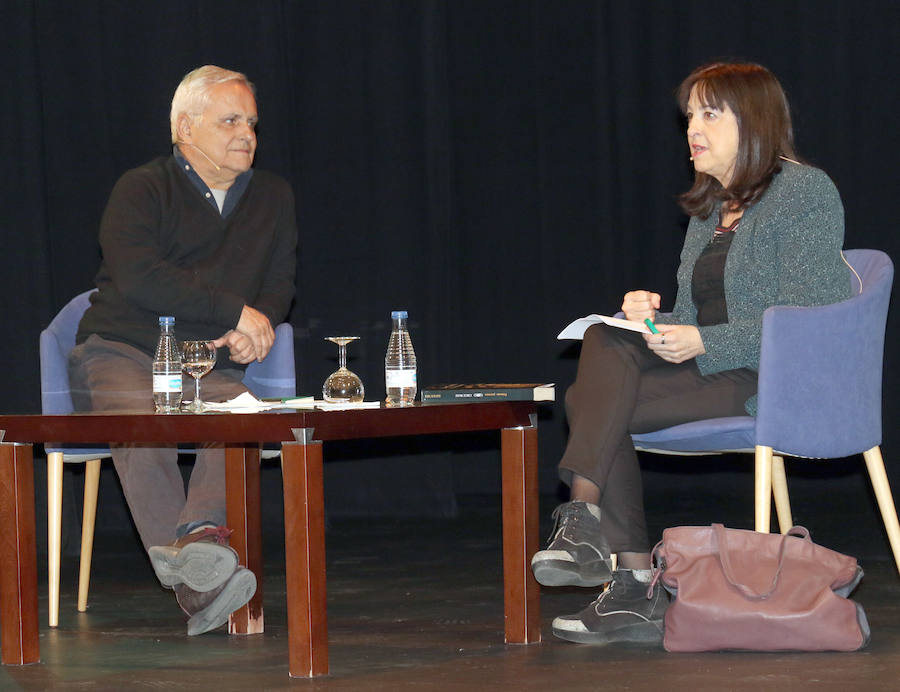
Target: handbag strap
{"x":721,"y":536}
{"x":657,"y":567}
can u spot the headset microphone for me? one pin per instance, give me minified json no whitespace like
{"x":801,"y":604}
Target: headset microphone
{"x":203,"y":153}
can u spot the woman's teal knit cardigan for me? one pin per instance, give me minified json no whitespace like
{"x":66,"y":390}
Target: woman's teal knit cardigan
{"x":786,"y":251}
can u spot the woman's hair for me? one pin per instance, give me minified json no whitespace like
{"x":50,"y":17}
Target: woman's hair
{"x":192,"y":95}
{"x":764,"y":132}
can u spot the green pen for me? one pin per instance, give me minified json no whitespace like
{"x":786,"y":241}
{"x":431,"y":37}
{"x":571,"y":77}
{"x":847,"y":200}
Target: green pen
{"x":651,"y":326}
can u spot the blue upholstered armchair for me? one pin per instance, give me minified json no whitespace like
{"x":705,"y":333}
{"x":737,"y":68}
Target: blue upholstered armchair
{"x":819,"y":395}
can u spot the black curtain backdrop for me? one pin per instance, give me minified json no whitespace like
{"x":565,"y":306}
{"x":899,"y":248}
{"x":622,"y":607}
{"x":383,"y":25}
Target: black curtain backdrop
{"x":497,"y":168}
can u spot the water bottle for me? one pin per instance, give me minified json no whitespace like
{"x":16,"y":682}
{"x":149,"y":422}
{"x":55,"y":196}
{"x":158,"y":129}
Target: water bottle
{"x":400,"y":363}
{"x":167,"y":368}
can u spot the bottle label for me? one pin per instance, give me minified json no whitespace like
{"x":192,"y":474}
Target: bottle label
{"x":167,"y":383}
{"x":400,"y":378}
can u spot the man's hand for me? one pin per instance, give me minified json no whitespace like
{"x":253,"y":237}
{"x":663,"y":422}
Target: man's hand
{"x":239,"y":345}
{"x":257,"y":327}
{"x":640,"y":305}
{"x":676,"y":343}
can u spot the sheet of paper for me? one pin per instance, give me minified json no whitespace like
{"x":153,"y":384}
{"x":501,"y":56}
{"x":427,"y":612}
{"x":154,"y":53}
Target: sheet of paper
{"x":346,"y":405}
{"x":576,"y":329}
{"x":247,"y":403}
{"x":243,"y":403}
{"x":302,"y":402}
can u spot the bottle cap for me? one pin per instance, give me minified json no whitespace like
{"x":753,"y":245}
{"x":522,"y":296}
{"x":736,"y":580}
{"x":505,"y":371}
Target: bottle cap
{"x":166,"y":321}
{"x":399,"y":314}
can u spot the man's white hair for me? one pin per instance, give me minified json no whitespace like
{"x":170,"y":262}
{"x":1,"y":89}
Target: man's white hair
{"x":192,"y":95}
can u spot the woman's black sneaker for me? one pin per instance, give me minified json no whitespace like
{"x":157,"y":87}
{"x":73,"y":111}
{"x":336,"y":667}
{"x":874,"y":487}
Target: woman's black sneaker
{"x":622,"y":613}
{"x":578,"y":554}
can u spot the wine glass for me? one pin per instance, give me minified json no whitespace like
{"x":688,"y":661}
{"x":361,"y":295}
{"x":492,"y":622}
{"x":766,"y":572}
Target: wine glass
{"x":342,"y":385}
{"x":197,"y":359}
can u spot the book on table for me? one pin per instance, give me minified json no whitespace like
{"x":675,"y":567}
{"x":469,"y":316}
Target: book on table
{"x":576,"y":329}
{"x":518,"y":391}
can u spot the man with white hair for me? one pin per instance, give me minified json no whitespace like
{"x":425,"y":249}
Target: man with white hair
{"x":201,"y":236}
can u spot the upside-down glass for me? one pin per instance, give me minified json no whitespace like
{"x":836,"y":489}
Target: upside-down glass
{"x":342,"y":386}
{"x":197,"y":359}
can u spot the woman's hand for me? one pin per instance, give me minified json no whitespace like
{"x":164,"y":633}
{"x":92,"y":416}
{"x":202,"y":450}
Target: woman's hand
{"x":676,"y":343}
{"x":640,"y":305}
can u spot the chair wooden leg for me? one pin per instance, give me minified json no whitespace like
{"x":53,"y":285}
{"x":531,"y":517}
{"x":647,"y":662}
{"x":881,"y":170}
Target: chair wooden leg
{"x":780,"y":490}
{"x":763,"y":493}
{"x":91,"y":485}
{"x":875,"y":465}
{"x":54,"y":531}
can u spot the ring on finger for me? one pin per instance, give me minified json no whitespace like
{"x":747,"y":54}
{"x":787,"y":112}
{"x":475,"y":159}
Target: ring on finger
{"x":663,"y":342}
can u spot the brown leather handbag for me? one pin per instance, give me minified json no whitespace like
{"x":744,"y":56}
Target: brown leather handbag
{"x":738,"y":589}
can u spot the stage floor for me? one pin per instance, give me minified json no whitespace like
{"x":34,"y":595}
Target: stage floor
{"x":412,"y":604}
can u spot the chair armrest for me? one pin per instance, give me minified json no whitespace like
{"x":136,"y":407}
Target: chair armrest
{"x":820,"y":378}
{"x":276,"y":375}
{"x":56,"y":397}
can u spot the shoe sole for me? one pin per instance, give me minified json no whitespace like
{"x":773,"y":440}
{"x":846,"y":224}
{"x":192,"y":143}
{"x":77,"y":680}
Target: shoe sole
{"x":643,"y":633}
{"x":199,"y":566}
{"x":559,"y":573}
{"x":237,"y":593}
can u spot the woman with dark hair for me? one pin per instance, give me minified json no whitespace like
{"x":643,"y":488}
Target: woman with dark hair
{"x":765,"y":230}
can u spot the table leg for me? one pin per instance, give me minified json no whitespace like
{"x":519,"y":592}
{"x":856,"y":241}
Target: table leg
{"x":521,"y":593}
{"x":243,"y":497}
{"x":304,"y":552}
{"x":18,"y":558}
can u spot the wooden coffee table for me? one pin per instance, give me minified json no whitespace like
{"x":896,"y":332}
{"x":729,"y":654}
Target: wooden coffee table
{"x":302,"y":434}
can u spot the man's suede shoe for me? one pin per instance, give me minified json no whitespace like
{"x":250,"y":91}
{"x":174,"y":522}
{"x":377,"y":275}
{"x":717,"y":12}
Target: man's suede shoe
{"x":210,"y":609}
{"x":202,"y":560}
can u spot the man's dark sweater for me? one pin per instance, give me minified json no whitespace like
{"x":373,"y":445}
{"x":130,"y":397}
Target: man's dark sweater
{"x":168,"y":251}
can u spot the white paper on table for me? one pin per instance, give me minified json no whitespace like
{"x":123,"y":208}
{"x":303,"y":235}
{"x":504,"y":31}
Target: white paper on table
{"x":296,"y":402}
{"x":346,"y":405}
{"x":576,"y":329}
{"x":247,"y":403}
{"x":243,"y":403}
